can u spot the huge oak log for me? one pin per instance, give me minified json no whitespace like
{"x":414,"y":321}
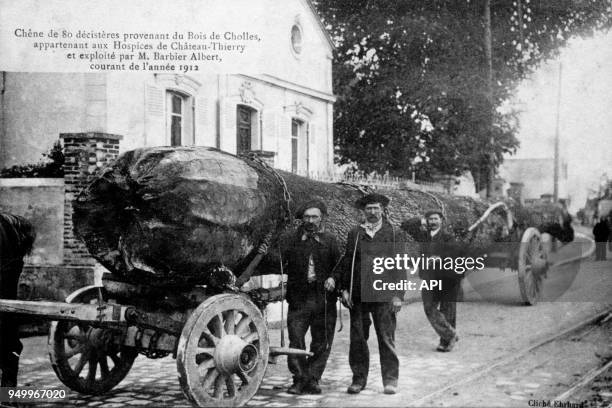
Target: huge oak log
{"x":167,"y":215}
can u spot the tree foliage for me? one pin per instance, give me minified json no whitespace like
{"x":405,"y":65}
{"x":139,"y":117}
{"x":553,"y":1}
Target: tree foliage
{"x":52,"y":166}
{"x":411,"y":76}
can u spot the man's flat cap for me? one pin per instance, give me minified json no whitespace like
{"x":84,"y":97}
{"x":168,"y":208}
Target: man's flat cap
{"x":432,"y":212}
{"x":372,"y":198}
{"x":299,"y":213}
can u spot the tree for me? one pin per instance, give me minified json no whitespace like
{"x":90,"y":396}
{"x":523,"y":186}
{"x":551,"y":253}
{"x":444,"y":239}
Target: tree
{"x":51,"y":167}
{"x":411,"y":77}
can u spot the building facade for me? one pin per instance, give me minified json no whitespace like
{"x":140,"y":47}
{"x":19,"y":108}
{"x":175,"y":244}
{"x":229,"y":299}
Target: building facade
{"x":285,"y":113}
{"x":531,"y":179}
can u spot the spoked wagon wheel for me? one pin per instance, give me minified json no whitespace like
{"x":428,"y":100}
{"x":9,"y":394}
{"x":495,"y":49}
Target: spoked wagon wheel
{"x":73,"y":346}
{"x":223,"y":352}
{"x":532,"y":265}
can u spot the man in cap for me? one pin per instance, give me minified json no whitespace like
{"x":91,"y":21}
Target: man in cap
{"x":440,"y":304}
{"x":310,"y":255}
{"x":372,"y":235}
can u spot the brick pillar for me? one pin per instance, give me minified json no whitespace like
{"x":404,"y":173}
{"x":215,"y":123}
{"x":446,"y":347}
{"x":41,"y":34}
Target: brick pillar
{"x":85,"y":154}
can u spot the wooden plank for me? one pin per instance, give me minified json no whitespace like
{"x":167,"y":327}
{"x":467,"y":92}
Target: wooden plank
{"x":88,"y":313}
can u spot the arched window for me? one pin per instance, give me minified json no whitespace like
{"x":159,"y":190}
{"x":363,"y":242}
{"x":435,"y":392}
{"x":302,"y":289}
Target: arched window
{"x":171,"y":116}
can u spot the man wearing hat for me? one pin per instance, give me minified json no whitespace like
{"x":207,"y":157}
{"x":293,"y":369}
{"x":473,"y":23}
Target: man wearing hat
{"x":440,"y":304}
{"x":310,"y":254}
{"x":367,"y":238}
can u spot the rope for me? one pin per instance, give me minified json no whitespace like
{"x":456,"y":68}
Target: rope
{"x":327,"y":345}
{"x":282,"y":339}
{"x":362,"y":188}
{"x":340,"y":317}
{"x":279,"y":178}
{"x":353,"y":267}
{"x":436,"y":199}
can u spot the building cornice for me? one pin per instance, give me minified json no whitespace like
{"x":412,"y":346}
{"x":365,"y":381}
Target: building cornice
{"x":281,"y":83}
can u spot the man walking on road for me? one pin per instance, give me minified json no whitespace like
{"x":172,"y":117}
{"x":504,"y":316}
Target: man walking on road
{"x":310,"y":255}
{"x":601,"y":233}
{"x":364,"y":238}
{"x":440,"y":304}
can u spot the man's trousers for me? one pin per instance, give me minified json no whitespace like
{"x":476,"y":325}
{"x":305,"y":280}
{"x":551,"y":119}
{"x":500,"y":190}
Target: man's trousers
{"x":600,"y":251}
{"x":320,"y":317}
{"x":359,"y":354}
{"x":441,"y":308}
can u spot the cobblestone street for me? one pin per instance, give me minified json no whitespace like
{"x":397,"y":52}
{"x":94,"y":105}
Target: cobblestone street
{"x":489,"y":331}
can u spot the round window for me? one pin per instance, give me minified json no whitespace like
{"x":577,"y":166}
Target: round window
{"x":296,"y":38}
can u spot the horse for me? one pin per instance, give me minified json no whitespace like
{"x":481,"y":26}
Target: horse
{"x":17,"y":237}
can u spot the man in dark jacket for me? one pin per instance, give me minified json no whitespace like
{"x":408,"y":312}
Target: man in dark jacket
{"x":371,"y":236}
{"x":310,"y":255}
{"x":440,"y":304}
{"x":601,"y":233}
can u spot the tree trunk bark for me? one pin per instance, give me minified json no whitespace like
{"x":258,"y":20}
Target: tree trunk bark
{"x":167,"y":216}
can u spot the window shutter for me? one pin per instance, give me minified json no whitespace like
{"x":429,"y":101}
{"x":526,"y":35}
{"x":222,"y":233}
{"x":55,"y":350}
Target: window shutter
{"x":188,"y":121}
{"x":284,"y":143}
{"x":155,"y":116}
{"x":154,"y":97}
{"x":202,"y":117}
{"x":303,"y":148}
{"x":312,"y":151}
{"x":227,"y":126}
{"x":269,"y":136}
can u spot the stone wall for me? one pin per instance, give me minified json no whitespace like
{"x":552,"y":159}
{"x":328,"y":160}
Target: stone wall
{"x":42,"y":202}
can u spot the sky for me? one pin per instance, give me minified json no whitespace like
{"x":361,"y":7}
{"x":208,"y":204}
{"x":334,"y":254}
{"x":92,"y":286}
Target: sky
{"x":585,"y":113}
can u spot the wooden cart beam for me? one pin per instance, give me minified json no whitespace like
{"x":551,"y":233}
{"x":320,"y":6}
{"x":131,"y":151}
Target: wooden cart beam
{"x":107,"y":313}
{"x":87,"y":313}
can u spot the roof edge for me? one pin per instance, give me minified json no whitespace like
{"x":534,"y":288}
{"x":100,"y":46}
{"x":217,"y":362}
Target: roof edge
{"x":320,"y":23}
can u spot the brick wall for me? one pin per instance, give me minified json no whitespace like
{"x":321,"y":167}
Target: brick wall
{"x":86,"y":154}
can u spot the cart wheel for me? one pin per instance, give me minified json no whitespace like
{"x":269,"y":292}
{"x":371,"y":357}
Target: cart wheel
{"x":532,"y":266}
{"x":223,"y":352}
{"x":74,"y":345}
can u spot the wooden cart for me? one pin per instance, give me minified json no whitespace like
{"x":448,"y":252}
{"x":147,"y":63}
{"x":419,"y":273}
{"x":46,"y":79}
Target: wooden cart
{"x":220,"y":341}
{"x":525,"y":250}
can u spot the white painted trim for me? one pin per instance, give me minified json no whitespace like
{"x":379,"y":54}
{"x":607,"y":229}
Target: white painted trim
{"x":280,"y":83}
{"x":178,"y":82}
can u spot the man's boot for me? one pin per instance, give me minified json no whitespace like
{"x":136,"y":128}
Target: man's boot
{"x":297,"y":388}
{"x":355,"y":388}
{"x":312,"y":387}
